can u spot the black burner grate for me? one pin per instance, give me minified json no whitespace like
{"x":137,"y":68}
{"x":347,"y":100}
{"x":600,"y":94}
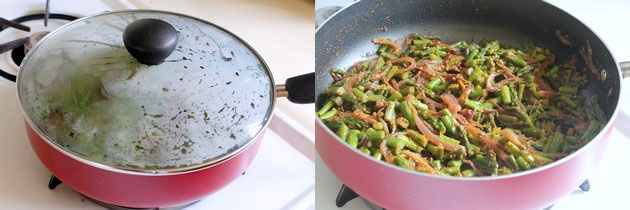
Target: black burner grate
{"x":18,"y":53}
{"x":346,"y":194}
{"x":54,"y":182}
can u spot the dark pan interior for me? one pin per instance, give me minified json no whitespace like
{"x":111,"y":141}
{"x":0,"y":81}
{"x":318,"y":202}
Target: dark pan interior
{"x":346,"y":37}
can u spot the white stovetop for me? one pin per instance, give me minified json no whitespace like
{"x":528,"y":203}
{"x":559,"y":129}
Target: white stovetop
{"x":282,"y":174}
{"x":609,"y":182}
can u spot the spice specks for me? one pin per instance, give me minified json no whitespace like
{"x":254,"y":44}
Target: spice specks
{"x":232,"y":136}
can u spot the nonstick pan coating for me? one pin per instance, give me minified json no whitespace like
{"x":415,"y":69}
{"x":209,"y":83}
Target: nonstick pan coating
{"x":346,"y":37}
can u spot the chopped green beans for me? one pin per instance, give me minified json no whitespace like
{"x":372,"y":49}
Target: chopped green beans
{"x":342,"y":132}
{"x":390,"y":113}
{"x":472,"y":56}
{"x":328,"y":114}
{"x":418,"y":138}
{"x":434,"y":83}
{"x":419,"y":105}
{"x":325,"y":108}
{"x":353,"y":138}
{"x":406,"y":112}
{"x":395,"y":96}
{"x":468,"y":109}
{"x":568,"y":89}
{"x":505,"y":95}
{"x":374,"y":135}
{"x":474,"y":105}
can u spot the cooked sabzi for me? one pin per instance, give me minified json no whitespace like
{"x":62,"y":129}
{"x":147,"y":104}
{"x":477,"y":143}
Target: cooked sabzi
{"x":464,"y":109}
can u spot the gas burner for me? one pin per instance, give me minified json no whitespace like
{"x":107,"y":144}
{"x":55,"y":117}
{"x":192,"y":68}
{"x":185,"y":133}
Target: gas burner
{"x":114,"y":207}
{"x":346,"y":194}
{"x":54,"y":182}
{"x":17,"y":54}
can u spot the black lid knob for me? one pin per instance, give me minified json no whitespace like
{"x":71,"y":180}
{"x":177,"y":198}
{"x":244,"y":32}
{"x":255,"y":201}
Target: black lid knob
{"x":150,"y":40}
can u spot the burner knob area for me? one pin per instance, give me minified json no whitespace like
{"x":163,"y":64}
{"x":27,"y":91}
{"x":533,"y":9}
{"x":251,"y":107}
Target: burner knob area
{"x":150,"y":40}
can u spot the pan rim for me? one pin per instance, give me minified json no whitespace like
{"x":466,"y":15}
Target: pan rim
{"x":144,"y":171}
{"x":598,"y":137}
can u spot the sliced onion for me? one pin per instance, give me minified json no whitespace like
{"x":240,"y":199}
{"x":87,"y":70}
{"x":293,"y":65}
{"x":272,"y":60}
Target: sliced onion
{"x":472,"y":165}
{"x":465,"y":91}
{"x":420,"y":161}
{"x":371,"y":86}
{"x":395,"y":47}
{"x":483,"y":137}
{"x":564,"y":116}
{"x":491,"y":77}
{"x":542,"y":84}
{"x":511,"y":136}
{"x":506,"y":71}
{"x":468,"y":113}
{"x":389,"y":157}
{"x":491,"y":143}
{"x":408,"y":41}
{"x":499,"y":85}
{"x":546,"y":94}
{"x":451,"y":102}
{"x":428,"y":68}
{"x":541,"y":67}
{"x":421,"y":124}
{"x":411,"y":64}
{"x":351,"y":82}
{"x":357,"y":113}
{"x":450,"y":48}
{"x":431,"y":102}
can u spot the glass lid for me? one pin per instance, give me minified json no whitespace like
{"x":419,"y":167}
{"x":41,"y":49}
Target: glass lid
{"x":81,"y":89}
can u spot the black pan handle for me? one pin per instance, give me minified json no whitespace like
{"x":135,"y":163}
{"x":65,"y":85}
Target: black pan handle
{"x":299,"y":89}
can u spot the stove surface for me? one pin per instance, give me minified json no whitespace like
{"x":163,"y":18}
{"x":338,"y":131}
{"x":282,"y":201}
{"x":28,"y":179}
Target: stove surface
{"x":608,"y":183}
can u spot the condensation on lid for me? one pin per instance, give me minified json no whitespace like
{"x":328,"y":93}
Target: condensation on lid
{"x":82,"y":89}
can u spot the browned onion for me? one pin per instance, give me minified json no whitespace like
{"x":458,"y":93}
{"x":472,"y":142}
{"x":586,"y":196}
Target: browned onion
{"x":491,"y":143}
{"x":546,"y":94}
{"x":431,"y":102}
{"x":499,"y":85}
{"x":351,"y":82}
{"x":542,"y":84}
{"x":420,"y":161}
{"x":451,"y":102}
{"x":465,"y":91}
{"x":450,"y":48}
{"x":506,"y":71}
{"x":364,"y":117}
{"x":411,"y":64}
{"x":511,"y":136}
{"x":421,"y":124}
{"x":392,"y":44}
{"x":389,"y":157}
{"x":489,"y":81}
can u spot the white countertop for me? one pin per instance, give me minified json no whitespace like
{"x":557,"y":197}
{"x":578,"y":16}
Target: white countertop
{"x":609,"y":181}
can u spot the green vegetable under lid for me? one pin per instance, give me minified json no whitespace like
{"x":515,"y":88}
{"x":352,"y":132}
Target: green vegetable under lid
{"x":82,"y":90}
